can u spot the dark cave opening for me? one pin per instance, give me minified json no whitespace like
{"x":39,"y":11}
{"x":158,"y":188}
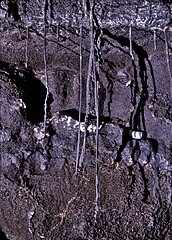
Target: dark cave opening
{"x":32,"y":90}
{"x":13,"y":10}
{"x":2,"y":235}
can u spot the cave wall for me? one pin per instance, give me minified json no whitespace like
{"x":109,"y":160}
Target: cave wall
{"x":41,"y":50}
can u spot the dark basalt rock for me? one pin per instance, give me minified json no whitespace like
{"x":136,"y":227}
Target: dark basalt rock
{"x":41,"y":196}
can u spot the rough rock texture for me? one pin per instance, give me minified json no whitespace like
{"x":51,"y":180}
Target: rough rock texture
{"x":40,"y":56}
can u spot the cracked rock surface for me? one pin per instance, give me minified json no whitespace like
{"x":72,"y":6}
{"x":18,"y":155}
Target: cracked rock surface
{"x":42,"y":44}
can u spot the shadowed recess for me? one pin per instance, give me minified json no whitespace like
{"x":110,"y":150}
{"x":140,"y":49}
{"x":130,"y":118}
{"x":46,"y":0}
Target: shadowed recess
{"x":32,"y":90}
{"x":2,"y":235}
{"x":74,"y":113}
{"x":13,"y":10}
